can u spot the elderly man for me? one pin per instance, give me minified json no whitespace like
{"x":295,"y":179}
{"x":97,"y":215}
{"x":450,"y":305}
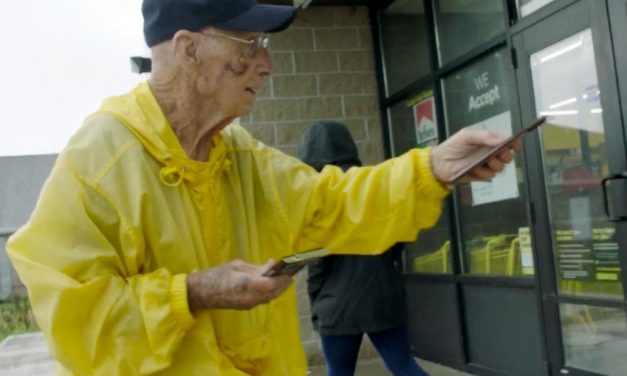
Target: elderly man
{"x":146,"y":250}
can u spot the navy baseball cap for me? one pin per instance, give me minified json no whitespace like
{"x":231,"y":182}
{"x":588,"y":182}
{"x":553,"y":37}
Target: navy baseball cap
{"x":163,"y":18}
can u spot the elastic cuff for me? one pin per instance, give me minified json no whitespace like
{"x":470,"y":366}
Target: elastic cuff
{"x":428,"y":183}
{"x":178,"y":294}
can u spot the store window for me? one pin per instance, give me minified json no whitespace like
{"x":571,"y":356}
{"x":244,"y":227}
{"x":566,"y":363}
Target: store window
{"x":594,"y":338}
{"x":575,"y":160}
{"x":462,"y":25}
{"x":405,"y":43}
{"x":413,"y":123}
{"x":495,"y":236}
{"x":526,"y":7}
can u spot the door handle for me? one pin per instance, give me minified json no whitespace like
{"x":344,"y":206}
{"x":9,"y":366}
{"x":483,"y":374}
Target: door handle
{"x":606,"y":203}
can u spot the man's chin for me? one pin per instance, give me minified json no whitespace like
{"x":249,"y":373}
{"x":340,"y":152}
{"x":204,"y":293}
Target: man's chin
{"x":245,"y":110}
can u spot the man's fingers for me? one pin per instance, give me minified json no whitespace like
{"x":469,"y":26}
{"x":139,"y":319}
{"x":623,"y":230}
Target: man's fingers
{"x":275,"y":284}
{"x":482,"y":173}
{"x":481,"y":137}
{"x":261,"y":290}
{"x":282,"y":284}
{"x":269,"y":263}
{"x":267,"y":266}
{"x":506,"y":156}
{"x":516,"y":145}
{"x":271,"y":287}
{"x":495,"y":164}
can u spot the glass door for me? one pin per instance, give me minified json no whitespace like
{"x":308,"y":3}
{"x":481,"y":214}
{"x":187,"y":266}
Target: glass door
{"x":566,"y":72}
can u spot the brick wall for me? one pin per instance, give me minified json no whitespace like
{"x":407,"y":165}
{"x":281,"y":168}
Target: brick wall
{"x":323,"y":70}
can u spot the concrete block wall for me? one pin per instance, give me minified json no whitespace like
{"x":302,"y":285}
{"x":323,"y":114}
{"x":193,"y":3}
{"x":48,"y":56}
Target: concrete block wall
{"x":323,"y":70}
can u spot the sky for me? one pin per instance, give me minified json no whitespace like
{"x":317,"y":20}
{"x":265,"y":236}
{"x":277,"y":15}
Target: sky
{"x":58,"y":60}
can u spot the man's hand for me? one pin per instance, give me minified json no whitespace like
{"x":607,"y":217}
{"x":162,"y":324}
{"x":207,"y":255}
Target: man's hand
{"x":457,"y":151}
{"x":235,"y":284}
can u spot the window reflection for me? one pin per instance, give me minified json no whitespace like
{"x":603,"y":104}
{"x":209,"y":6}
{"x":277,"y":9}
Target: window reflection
{"x":405,"y":43}
{"x":575,"y":159}
{"x":495,"y":232}
{"x":594,"y":338}
{"x":413,"y":123}
{"x":462,"y":25}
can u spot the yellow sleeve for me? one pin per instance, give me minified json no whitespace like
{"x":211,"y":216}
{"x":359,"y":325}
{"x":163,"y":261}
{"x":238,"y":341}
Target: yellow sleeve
{"x":363,"y":210}
{"x":81,"y":263}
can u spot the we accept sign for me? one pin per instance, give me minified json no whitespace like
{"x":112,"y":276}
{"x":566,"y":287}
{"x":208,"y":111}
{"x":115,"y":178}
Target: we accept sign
{"x":477,"y":92}
{"x":488,"y":94}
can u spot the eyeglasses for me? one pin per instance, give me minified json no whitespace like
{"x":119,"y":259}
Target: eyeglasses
{"x":262,"y":41}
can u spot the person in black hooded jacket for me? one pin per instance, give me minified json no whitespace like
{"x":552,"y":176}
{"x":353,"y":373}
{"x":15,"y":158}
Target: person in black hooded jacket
{"x":355,"y":295}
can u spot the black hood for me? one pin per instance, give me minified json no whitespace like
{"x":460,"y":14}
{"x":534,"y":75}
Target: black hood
{"x":328,"y":142}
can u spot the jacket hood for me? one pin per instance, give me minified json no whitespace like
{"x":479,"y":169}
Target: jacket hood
{"x":328,"y":142}
{"x":140,"y":112}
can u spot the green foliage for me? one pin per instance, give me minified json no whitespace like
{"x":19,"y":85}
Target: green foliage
{"x":16,"y":317}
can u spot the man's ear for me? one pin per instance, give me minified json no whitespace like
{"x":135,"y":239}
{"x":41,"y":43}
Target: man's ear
{"x":186,"y":47}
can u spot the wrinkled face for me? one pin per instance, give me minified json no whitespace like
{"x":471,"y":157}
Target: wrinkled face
{"x":230,"y":73}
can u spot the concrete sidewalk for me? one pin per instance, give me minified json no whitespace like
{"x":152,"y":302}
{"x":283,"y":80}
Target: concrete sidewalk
{"x":27,"y":355}
{"x":375,"y":367}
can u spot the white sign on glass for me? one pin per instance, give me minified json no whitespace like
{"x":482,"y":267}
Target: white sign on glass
{"x":503,"y":186}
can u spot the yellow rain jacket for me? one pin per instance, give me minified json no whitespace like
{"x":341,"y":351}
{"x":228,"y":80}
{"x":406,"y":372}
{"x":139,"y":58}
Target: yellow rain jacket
{"x":125,"y":215}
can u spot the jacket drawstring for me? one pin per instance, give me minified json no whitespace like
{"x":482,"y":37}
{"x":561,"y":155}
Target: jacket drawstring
{"x":172,"y":176}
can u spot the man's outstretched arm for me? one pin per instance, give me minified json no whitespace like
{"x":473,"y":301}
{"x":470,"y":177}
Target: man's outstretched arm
{"x":370,"y":208}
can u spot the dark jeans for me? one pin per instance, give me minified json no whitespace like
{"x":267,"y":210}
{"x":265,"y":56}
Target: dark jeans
{"x":392,"y":344}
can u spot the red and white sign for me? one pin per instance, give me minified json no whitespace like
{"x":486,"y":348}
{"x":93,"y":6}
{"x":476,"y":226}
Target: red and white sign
{"x":425,"y":122}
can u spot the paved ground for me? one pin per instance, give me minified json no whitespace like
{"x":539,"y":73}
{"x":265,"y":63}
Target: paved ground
{"x":27,"y":355}
{"x":375,"y":367}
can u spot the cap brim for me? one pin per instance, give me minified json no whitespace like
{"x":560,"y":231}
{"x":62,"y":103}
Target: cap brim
{"x":261,"y":17}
